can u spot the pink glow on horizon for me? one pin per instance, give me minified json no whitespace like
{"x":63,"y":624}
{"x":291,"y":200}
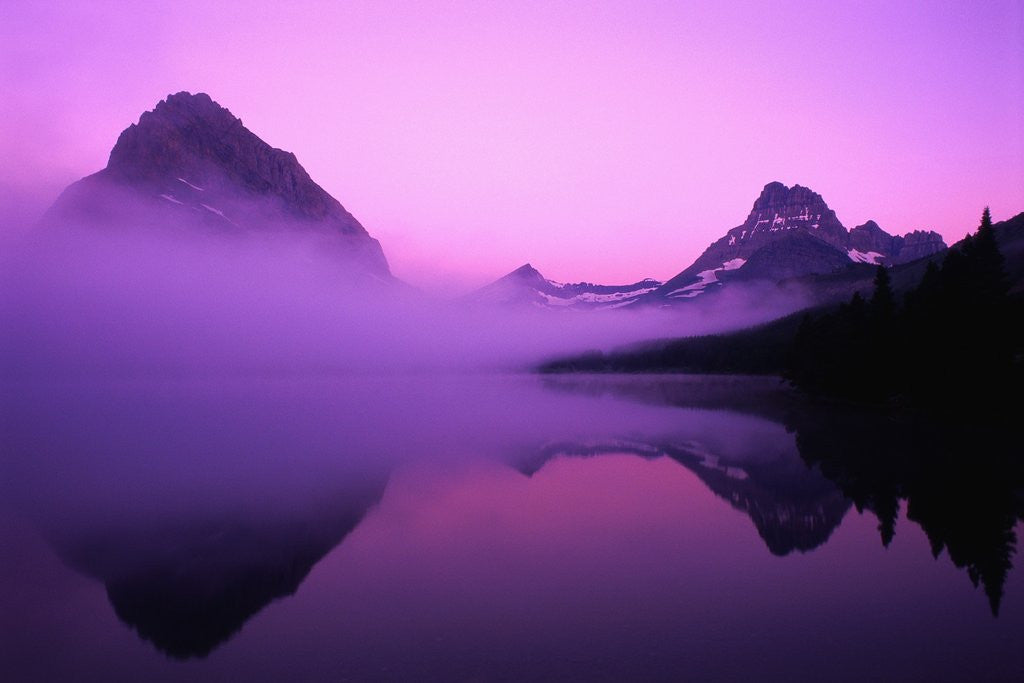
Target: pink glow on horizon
{"x":606,"y":144}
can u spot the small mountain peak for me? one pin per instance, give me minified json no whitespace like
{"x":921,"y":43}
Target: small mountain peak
{"x":191,"y":156}
{"x":524,"y":270}
{"x":869,"y":225}
{"x":526,"y":274}
{"x":192,"y":137}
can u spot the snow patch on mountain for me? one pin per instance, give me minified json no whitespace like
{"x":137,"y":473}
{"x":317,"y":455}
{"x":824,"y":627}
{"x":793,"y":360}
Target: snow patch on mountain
{"x":212,"y":209}
{"x":706,"y":277}
{"x":526,"y":285}
{"x":194,"y":187}
{"x":569,"y":299}
{"x":872,"y":257}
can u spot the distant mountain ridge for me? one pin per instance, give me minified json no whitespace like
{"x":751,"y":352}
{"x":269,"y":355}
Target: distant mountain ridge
{"x":191,"y":162}
{"x":792,"y":232}
{"x":526,"y":286}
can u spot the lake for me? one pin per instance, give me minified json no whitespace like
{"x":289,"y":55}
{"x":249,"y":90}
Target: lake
{"x":498,"y":527}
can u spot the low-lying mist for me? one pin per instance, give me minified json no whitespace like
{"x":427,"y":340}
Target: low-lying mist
{"x":91,"y":455}
{"x":161,"y":377}
{"x":121,"y":302}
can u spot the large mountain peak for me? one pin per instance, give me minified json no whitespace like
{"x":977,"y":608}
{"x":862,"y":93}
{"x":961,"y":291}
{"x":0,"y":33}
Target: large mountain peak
{"x":778,"y":212}
{"x":192,"y":137}
{"x":190,"y":161}
{"x":791,"y":231}
{"x":780,"y":209}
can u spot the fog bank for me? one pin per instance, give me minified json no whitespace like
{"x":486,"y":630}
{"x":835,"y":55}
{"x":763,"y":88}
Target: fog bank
{"x":117,"y":302}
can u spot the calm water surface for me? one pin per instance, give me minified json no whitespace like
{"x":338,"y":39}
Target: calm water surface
{"x":498,"y":528}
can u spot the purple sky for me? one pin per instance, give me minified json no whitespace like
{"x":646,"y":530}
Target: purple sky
{"x":602,"y":141}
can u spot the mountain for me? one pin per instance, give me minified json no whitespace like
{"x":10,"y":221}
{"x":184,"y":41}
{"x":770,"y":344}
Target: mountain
{"x":793,"y":507}
{"x":191,"y":164}
{"x":791,"y":232}
{"x":767,"y":348}
{"x":526,"y":286}
{"x":869,"y":238}
{"x":792,"y":255}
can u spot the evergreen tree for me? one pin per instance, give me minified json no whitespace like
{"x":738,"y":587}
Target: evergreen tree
{"x":883,"y":303}
{"x":881,"y":348}
{"x":988,"y":260}
{"x":922,"y":336}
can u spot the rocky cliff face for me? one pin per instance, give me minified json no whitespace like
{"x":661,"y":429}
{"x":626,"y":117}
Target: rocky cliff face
{"x":895,"y":249}
{"x":781,"y":209}
{"x":917,"y":244}
{"x":871,"y":238}
{"x":791,"y":256}
{"x":778,"y":211}
{"x":191,"y":162}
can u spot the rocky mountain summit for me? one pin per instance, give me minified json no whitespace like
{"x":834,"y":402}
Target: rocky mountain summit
{"x":190,"y":162}
{"x":778,"y":211}
{"x":791,"y":232}
{"x":869,"y":238}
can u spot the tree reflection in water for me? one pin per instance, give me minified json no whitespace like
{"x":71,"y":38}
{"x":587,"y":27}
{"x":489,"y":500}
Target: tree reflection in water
{"x":962,"y":483}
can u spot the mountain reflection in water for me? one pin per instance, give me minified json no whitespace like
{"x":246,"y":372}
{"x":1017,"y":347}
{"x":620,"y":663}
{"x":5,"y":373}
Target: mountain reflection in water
{"x":963,"y":483}
{"x":189,"y":585}
{"x":196,"y":507}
